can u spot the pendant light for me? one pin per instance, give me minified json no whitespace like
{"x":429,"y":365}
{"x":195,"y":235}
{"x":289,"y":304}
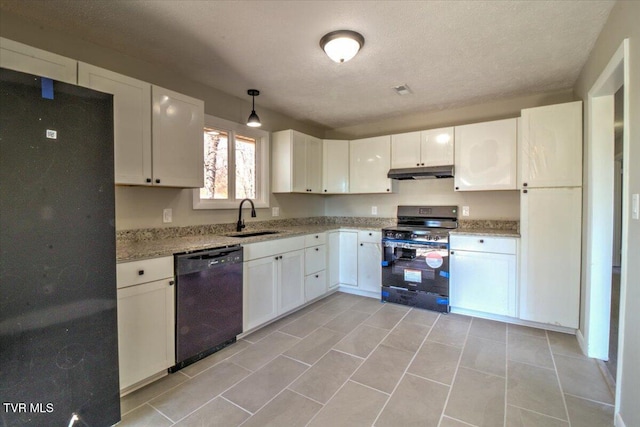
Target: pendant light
{"x":341,"y":45}
{"x":254,"y":120}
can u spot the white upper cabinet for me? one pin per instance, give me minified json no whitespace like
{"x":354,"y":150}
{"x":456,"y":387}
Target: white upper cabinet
{"x":551,"y":146}
{"x":296,"y":162}
{"x":405,"y":150}
{"x":485,"y":156}
{"x":335,"y":166}
{"x":21,"y":57}
{"x":132,"y":121}
{"x":178,"y":147}
{"x":432,"y":147}
{"x":369,"y":163}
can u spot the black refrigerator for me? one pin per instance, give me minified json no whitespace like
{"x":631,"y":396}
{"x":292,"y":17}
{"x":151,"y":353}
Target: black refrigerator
{"x":58,"y":319}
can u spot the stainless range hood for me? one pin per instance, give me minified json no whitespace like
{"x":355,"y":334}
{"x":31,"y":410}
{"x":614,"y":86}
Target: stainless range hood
{"x":425,"y":172}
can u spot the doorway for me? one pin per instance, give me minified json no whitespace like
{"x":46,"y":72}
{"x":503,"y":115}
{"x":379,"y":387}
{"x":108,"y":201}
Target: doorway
{"x":598,"y":237}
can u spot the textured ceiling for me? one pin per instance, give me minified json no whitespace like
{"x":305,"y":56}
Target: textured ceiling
{"x":451,"y":53}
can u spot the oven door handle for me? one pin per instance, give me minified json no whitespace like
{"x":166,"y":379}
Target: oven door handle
{"x":406,"y":245}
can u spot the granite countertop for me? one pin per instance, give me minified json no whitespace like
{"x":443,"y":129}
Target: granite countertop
{"x":145,"y":244}
{"x":485,"y":232}
{"x":141,"y":244}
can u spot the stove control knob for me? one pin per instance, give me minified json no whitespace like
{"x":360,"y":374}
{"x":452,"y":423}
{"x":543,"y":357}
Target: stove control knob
{"x":398,"y":235}
{"x":436,"y":238}
{"x":414,"y":236}
{"x":428,"y":236}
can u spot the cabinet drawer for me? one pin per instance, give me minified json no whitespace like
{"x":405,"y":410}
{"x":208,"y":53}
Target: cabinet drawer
{"x":315,"y":239}
{"x":148,"y":270}
{"x":315,"y":259}
{"x":499,"y":245}
{"x":315,"y":285}
{"x":369,"y":236}
{"x":272,"y":247}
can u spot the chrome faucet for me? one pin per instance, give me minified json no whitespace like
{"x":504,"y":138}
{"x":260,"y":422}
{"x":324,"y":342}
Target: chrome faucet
{"x":240,"y":224}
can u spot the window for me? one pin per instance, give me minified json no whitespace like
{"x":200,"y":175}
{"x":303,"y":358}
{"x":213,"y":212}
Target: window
{"x":235,"y":166}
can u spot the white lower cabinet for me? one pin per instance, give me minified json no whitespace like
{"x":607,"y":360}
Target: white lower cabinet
{"x":315,"y":264}
{"x":483,"y":272}
{"x":369,"y":261}
{"x":146,"y":319}
{"x":273,"y":279}
{"x":343,"y":258}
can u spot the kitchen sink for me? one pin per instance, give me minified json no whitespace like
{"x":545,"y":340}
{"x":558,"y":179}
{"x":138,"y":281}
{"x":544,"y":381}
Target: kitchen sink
{"x":252,"y":234}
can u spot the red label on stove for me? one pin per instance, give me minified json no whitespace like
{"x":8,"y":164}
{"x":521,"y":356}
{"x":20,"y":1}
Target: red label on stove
{"x":434,"y":260}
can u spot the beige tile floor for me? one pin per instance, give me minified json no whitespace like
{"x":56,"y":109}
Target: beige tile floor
{"x":353,"y":361}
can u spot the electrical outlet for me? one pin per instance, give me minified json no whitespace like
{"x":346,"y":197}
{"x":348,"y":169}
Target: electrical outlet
{"x":465,"y":211}
{"x":275,"y":211}
{"x":167,"y":215}
{"x":374,"y":210}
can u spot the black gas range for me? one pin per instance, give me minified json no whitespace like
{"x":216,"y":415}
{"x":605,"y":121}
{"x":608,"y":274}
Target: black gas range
{"x":415,"y":263}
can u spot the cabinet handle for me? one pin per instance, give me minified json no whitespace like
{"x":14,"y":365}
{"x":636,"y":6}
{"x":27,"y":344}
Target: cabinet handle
{"x":148,"y":179}
{"x":457,"y":188}
{"x":276,"y":258}
{"x":524,"y":184}
{"x":317,"y":249}
{"x":317,"y":237}
{"x":388,"y":189}
{"x":421,"y":164}
{"x":417,"y":164}
{"x":481,"y":240}
{"x":452,"y":252}
{"x":361,"y":244}
{"x":317,"y":276}
{"x":140,"y":272}
{"x":370,"y":234}
{"x":172,"y":282}
{"x":157,"y":181}
{"x":325,"y":190}
{"x":524,"y":191}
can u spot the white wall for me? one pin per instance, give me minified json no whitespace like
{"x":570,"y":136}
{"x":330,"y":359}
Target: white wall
{"x":623,"y":23}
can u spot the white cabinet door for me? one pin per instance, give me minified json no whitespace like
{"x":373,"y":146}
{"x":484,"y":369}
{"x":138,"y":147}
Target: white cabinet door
{"x":369,"y":267}
{"x":483,"y":282}
{"x":314,"y":164}
{"x":260,"y":291}
{"x":551,"y":222}
{"x":131,"y":118}
{"x":333,"y":259}
{"x":145,"y":330}
{"x":178,"y":150}
{"x":335,"y":166}
{"x":348,"y":261}
{"x":26,"y":59}
{"x":551,"y":146}
{"x":298,"y":161}
{"x":290,"y":281}
{"x":315,"y":285}
{"x":369,"y":163}
{"x":405,"y":150}
{"x":485,"y":156}
{"x":436,"y":147}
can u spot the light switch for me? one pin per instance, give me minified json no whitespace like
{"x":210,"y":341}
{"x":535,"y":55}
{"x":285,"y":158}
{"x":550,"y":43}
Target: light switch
{"x":465,"y":211}
{"x":275,"y":211}
{"x":374,"y":210}
{"x":635,"y":206}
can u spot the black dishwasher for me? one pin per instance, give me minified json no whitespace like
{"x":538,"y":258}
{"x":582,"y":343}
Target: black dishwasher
{"x":208,"y":302}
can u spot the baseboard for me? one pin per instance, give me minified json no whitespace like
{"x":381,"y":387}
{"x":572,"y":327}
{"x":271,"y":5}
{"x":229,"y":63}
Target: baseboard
{"x":618,"y":422}
{"x":581,"y":342}
{"x":513,"y":320}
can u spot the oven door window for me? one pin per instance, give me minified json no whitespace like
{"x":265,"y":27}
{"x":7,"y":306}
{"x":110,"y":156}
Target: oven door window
{"x":418,"y":267}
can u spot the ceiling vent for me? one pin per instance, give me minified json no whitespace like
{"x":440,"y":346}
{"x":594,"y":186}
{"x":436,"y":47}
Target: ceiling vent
{"x":403,"y":89}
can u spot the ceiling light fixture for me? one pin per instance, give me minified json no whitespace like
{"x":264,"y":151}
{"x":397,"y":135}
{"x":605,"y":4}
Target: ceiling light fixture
{"x":341,"y":45}
{"x":254,"y":120}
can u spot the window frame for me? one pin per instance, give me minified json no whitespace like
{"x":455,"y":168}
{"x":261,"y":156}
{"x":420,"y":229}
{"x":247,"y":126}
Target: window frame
{"x":262,"y":165}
